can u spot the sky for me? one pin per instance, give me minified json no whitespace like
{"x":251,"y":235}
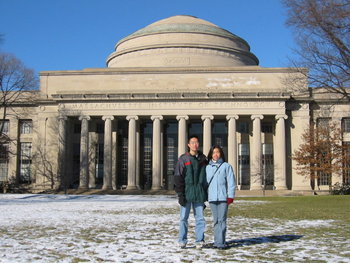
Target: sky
{"x":77,"y":34}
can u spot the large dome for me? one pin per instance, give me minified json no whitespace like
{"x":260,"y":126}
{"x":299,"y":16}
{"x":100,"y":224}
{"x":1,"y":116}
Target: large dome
{"x":182,"y":41}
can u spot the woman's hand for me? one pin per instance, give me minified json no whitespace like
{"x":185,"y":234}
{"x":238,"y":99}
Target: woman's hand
{"x":229,"y":201}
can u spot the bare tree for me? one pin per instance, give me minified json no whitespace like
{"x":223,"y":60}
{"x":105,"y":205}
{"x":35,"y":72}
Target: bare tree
{"x":322,"y":29}
{"x":16,"y":85}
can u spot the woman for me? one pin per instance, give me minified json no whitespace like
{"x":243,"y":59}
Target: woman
{"x":221,"y":191}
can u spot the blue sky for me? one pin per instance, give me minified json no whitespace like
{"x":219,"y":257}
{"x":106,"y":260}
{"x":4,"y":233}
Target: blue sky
{"x":78,"y":34}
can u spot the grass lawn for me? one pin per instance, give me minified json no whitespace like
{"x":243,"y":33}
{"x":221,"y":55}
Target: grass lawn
{"x":297,"y":208}
{"x":319,"y":224}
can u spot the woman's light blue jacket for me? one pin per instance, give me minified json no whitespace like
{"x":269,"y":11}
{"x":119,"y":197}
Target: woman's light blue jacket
{"x":222,"y":183}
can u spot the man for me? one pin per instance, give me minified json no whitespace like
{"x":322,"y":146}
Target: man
{"x":191,"y":188}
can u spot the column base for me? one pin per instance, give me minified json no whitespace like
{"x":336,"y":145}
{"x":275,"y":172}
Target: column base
{"x":156,"y":188}
{"x":256,"y":187}
{"x":131,"y":187}
{"x":107,"y":188}
{"x":281,"y":187}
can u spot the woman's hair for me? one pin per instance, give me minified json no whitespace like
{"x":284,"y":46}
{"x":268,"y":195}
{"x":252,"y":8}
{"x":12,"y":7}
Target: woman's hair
{"x":210,"y":154}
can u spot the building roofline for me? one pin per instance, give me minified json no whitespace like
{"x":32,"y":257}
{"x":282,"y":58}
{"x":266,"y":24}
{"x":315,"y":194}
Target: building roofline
{"x":172,"y":70}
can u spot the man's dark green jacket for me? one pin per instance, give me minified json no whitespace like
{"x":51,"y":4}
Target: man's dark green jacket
{"x":190,"y":177}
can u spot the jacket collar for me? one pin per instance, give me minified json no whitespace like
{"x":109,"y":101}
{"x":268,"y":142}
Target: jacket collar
{"x":218,"y":162}
{"x":199,"y":153}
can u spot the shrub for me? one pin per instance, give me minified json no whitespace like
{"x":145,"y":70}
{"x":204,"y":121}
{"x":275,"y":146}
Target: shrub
{"x":340,"y":189}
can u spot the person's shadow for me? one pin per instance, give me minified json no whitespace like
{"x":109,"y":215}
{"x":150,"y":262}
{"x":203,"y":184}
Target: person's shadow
{"x":259,"y":240}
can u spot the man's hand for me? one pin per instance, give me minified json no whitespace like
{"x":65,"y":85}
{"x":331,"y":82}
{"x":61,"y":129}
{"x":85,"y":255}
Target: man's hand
{"x":182,"y":200}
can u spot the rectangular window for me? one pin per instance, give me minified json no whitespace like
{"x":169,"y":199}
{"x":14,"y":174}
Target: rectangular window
{"x":99,"y":163}
{"x":323,"y":129}
{"x":170,"y":138}
{"x":243,"y":164}
{"x":346,"y":124}
{"x":4,"y":160}
{"x":267,"y":164}
{"x":26,"y":126}
{"x":4,"y":126}
{"x":25,"y":162}
{"x":324,"y":178}
{"x":122,"y":154}
{"x":74,"y":180}
{"x":146,"y":153}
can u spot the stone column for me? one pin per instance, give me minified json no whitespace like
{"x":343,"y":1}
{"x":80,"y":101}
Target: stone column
{"x":256,"y":152}
{"x":107,"y":153}
{"x":132,"y":152}
{"x":232,"y":143}
{"x":337,"y":176}
{"x":161,"y":156}
{"x":93,"y":140}
{"x":182,"y":138}
{"x":156,"y":153}
{"x":207,"y":132}
{"x":84,"y":152}
{"x":280,"y":161}
{"x":138,"y":151}
{"x":62,"y":130}
{"x":114,"y":156}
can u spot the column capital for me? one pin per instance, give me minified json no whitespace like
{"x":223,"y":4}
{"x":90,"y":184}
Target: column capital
{"x":280,"y":116}
{"x":62,"y":117}
{"x":86,"y":117}
{"x":129,"y":117}
{"x":210,"y":117}
{"x":257,"y":116}
{"x":179,"y":117}
{"x":111,"y":117}
{"x":160,"y":117}
{"x":234,"y":116}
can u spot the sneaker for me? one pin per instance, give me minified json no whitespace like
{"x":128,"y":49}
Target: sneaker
{"x":200,"y":244}
{"x":182,"y":245}
{"x":222,"y":247}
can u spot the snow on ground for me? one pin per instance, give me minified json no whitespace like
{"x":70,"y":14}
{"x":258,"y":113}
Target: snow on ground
{"x":111,"y":228}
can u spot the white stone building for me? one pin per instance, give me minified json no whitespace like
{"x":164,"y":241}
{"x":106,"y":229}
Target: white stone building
{"x":124,"y":126}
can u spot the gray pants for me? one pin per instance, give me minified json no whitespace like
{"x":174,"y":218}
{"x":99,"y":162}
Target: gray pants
{"x":219,"y":211}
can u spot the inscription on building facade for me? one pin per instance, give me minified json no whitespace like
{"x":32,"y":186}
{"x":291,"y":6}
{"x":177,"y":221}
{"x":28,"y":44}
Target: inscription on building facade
{"x":170,"y":105}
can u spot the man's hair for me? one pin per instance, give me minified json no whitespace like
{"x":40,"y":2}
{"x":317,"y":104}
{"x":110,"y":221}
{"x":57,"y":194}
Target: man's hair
{"x":191,"y":137}
{"x":210,"y":154}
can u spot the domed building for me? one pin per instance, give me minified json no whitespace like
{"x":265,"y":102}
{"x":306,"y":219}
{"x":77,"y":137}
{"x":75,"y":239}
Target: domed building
{"x":182,"y":41}
{"x":124,"y":126}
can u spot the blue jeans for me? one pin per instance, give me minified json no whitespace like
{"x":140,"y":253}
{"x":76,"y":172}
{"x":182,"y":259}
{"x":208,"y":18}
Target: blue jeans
{"x":198,"y":209}
{"x":219,"y":211}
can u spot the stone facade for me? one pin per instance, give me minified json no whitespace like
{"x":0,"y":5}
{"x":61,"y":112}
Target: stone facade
{"x":125,"y":125}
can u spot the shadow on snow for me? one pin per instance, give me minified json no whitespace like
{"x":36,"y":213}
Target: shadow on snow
{"x":257,"y":240}
{"x":261,"y":240}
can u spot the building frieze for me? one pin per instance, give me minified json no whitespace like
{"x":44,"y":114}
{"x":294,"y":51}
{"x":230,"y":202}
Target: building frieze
{"x":174,"y":96}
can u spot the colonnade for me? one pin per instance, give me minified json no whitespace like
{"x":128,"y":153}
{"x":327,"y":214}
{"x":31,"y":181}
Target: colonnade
{"x":133,"y":149}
